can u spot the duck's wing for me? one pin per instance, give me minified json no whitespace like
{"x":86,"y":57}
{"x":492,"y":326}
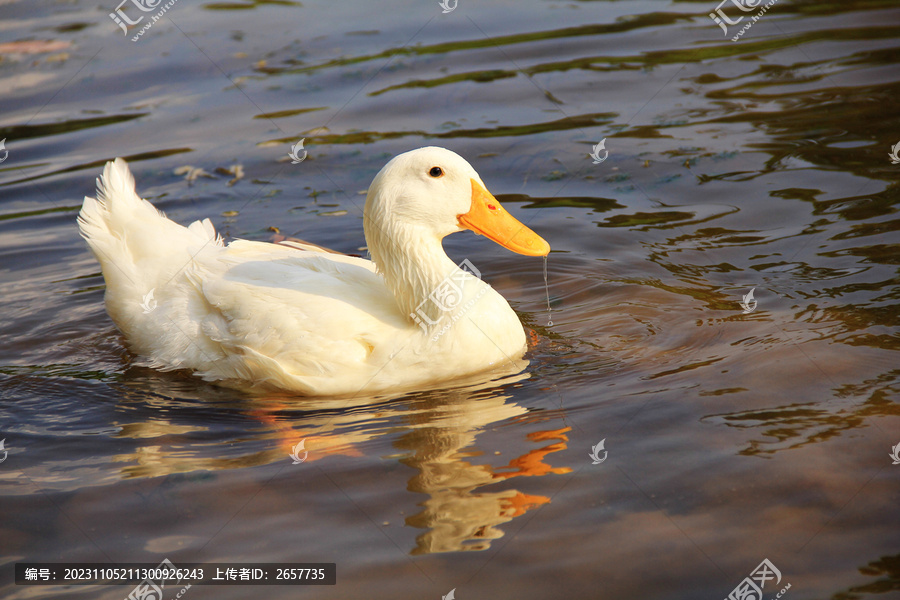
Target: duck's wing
{"x":292,"y":242}
{"x":297,"y":320}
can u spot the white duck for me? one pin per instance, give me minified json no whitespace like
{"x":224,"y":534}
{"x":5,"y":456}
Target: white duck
{"x":297,"y":317}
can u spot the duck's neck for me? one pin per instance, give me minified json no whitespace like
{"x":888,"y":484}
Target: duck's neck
{"x":415,"y":267}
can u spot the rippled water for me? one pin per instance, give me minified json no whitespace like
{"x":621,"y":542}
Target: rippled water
{"x":757,"y":164}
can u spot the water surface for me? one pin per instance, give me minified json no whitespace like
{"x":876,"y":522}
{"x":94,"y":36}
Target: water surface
{"x":731,"y":437}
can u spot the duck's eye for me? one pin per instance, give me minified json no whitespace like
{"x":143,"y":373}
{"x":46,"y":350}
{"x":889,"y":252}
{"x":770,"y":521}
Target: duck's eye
{"x":436,"y":172}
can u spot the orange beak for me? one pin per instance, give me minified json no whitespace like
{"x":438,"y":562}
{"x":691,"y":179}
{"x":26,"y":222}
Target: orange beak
{"x":491,"y":220}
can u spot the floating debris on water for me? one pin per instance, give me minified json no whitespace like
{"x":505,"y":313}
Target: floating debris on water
{"x":191,"y":173}
{"x":236,"y":170}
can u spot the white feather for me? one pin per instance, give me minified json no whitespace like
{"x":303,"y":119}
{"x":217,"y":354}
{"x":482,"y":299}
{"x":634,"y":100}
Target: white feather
{"x":254,"y":314}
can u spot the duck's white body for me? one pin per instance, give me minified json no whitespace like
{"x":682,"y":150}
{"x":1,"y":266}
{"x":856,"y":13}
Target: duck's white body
{"x":297,"y":317}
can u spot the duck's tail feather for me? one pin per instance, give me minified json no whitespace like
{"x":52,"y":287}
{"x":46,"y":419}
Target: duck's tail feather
{"x":138,"y":248}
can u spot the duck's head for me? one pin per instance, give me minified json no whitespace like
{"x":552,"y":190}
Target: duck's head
{"x":436,"y":192}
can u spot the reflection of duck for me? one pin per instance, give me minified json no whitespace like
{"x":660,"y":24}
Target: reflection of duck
{"x":460,"y":517}
{"x":298,"y":318}
{"x":438,"y":432}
